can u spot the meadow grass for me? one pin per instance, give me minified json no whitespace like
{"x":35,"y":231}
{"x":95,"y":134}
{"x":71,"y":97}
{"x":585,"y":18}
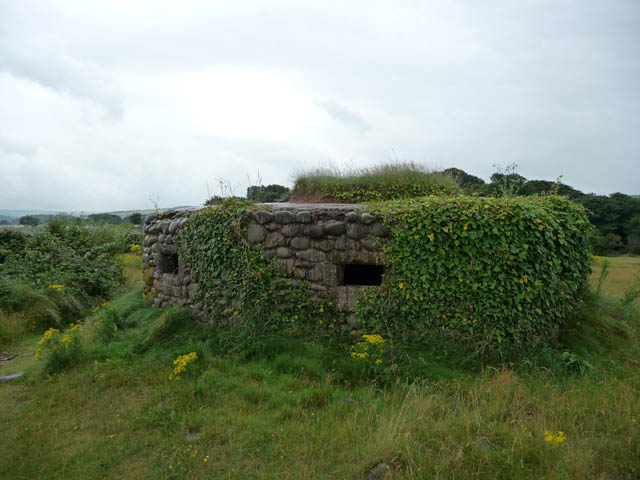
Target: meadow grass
{"x":276,"y":407}
{"x":623,"y":273}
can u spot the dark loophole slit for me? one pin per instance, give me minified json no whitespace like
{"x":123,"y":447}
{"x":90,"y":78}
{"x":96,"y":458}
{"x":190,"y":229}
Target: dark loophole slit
{"x":168,"y":263}
{"x":362,"y":274}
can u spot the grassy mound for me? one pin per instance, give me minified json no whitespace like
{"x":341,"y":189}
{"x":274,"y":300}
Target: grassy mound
{"x":381,"y":182}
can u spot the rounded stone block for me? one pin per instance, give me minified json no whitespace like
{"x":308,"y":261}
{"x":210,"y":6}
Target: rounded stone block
{"x":284,"y":218}
{"x":274,"y":239}
{"x":303,"y":217}
{"x":283,"y":252}
{"x":291,"y":230}
{"x":367,"y":219}
{"x":311,"y":255}
{"x":379,"y":230}
{"x":255,"y":233}
{"x":300,"y":243}
{"x":368,"y":243}
{"x":355,"y":231}
{"x":262,"y":216}
{"x":334,"y":228}
{"x":325,"y":245}
{"x":173,"y":226}
{"x":315,"y":231}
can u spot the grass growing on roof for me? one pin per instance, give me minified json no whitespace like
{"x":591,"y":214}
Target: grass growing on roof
{"x":380,"y":182}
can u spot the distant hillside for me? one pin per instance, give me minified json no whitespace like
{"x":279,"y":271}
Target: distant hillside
{"x":147,"y":211}
{"x":22,"y":213}
{"x":13,"y":215}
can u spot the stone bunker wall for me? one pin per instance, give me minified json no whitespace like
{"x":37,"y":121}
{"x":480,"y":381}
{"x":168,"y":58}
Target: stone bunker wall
{"x":334,"y":247}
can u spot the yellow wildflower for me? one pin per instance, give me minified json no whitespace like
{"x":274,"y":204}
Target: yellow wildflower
{"x":554,"y":438}
{"x":374,"y":339}
{"x":181,"y":364}
{"x":48,"y":335}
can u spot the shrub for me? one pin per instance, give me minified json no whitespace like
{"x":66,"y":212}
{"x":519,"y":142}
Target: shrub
{"x":76,"y":261}
{"x":60,"y":350}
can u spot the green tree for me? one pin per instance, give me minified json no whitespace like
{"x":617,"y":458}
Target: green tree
{"x":466,"y":181}
{"x":270,"y":193}
{"x":29,"y":220}
{"x":135,"y":218}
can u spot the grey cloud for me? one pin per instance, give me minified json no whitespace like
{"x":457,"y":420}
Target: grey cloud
{"x":343,"y":114}
{"x":65,"y":74}
{"x":549,"y":85}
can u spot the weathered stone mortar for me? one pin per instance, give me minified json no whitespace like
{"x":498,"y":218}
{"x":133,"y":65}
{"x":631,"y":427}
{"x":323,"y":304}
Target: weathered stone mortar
{"x":334,"y":247}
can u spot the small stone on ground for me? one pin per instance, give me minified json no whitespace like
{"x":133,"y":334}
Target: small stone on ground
{"x":12,"y":376}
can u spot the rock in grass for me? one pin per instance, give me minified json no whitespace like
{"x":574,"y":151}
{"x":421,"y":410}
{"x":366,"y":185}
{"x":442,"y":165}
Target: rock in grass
{"x":12,"y":376}
{"x":6,"y":356}
{"x":382,"y":470}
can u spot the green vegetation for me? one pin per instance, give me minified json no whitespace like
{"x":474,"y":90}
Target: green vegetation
{"x":292,"y":405}
{"x":235,"y":283}
{"x":29,"y":220}
{"x":616,"y":216}
{"x":270,"y":193}
{"x":497,"y":273}
{"x":484,"y":274}
{"x":382,"y":182}
{"x":52,"y":278}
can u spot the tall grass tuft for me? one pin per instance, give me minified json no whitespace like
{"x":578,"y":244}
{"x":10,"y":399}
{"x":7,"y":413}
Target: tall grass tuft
{"x":380,"y":182}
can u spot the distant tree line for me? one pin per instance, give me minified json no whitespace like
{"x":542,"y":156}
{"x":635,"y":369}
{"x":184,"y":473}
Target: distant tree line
{"x":616,"y":216}
{"x":97,"y":218}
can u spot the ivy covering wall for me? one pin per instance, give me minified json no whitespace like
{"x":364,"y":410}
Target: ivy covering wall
{"x":486,"y":271}
{"x":236,"y":284}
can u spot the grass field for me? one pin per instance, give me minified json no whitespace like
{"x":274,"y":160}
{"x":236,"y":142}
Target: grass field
{"x":276,"y":409}
{"x":624,"y":271}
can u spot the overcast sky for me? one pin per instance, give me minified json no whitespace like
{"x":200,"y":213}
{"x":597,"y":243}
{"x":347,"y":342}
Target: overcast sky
{"x":106,"y":104}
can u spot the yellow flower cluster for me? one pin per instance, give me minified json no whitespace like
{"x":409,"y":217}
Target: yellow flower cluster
{"x":136,"y":249}
{"x":180,"y":365}
{"x":554,"y":438}
{"x":104,"y":305}
{"x":49,"y":335}
{"x":359,"y":354}
{"x":373,"y":339}
{"x":372,"y":344}
{"x":56,"y":287}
